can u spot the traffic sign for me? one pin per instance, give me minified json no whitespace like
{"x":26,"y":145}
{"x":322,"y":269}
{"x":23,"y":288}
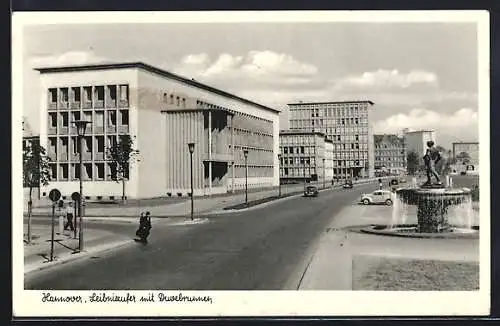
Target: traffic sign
{"x":54,"y":195}
{"x":75,"y":196}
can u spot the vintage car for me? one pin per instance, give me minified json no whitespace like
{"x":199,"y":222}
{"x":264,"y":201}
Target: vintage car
{"x":377,"y":197}
{"x":311,"y":191}
{"x":347,"y":185}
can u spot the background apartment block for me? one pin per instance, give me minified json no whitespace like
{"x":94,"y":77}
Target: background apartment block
{"x":417,"y":140}
{"x":471,"y":148}
{"x":348,"y":125}
{"x":305,"y":156}
{"x":162,"y":112}
{"x":390,"y":154}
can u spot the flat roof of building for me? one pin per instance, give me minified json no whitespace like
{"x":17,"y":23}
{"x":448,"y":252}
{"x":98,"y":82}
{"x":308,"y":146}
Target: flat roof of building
{"x":465,"y":143}
{"x":331,"y":102}
{"x":298,"y":132}
{"x":417,"y":131}
{"x":152,"y":69}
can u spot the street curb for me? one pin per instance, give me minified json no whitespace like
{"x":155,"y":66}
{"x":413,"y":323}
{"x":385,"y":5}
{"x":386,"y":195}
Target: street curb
{"x":75,"y":257}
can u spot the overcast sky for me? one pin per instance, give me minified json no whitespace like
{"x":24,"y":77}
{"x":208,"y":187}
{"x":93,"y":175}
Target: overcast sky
{"x":420,"y":75}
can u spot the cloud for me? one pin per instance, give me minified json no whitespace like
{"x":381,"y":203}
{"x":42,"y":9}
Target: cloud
{"x":254,"y":70}
{"x":67,"y":58}
{"x":387,"y":79}
{"x":465,"y":120}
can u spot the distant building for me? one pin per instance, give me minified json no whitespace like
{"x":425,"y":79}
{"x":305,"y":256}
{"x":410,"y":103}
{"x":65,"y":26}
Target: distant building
{"x":305,"y":156}
{"x":390,"y":154}
{"x":349,"y":126}
{"x":163,"y":112}
{"x":417,"y":140}
{"x":471,"y":148}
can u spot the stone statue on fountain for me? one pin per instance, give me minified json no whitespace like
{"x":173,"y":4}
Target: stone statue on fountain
{"x":431,"y":158}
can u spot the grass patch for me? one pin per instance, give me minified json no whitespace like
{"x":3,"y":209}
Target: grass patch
{"x":388,"y":274}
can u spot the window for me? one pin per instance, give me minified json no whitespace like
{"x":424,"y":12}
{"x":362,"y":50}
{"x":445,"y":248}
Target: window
{"x":165,"y":98}
{"x":177,"y":101}
{"x":112,"y":92}
{"x":124,"y":114}
{"x":64,"y":94}
{"x":302,"y":149}
{"x":111,"y":118}
{"x":123,"y":92}
{"x":99,"y":90}
{"x":64,"y":171}
{"x":76,"y":94}
{"x":53,"y":95}
{"x":75,"y":116}
{"x":53,"y":120}
{"x":100,"y":171}
{"x":100,"y":144}
{"x":171,"y":99}
{"x":183,"y":102}
{"x":65,"y":121}
{"x":285,"y":150}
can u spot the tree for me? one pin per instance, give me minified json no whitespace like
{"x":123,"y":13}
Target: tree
{"x":412,"y":162}
{"x":36,"y":172}
{"x":464,"y":157}
{"x":121,"y":155}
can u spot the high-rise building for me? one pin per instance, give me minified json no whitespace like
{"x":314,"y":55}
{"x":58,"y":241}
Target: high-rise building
{"x":348,"y":125}
{"x":162,"y":112}
{"x":417,"y":140}
{"x":471,"y":148}
{"x":305,"y":156}
{"x":390,"y":154}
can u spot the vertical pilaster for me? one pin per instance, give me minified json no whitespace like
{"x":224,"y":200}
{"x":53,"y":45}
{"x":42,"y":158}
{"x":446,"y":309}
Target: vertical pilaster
{"x":232,"y":154}
{"x":210,"y":152}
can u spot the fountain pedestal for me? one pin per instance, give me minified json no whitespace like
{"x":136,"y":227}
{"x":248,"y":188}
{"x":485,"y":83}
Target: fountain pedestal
{"x":431,"y":211}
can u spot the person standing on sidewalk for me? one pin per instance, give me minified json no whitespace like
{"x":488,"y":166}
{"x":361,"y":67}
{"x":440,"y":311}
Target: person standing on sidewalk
{"x":69,"y":217}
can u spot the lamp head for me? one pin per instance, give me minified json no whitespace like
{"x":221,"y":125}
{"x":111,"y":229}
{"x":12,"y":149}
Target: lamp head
{"x":191,"y":147}
{"x":245,"y":153}
{"x":81,"y":125}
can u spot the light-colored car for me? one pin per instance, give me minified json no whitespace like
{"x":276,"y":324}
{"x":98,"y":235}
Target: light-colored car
{"x":377,"y":197}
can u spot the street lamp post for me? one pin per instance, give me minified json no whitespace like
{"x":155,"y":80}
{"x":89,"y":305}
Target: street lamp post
{"x":81,"y":125}
{"x":279,"y":175}
{"x":191,"y":151}
{"x":324,"y":174}
{"x":245,"y":153}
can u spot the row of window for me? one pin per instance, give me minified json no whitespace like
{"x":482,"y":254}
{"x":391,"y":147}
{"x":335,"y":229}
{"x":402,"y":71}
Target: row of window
{"x":298,"y":172}
{"x":99,"y":171}
{"x":329,"y":122}
{"x":98,"y":118}
{"x":328,"y":111}
{"x":89,"y":94}
{"x":66,"y":148}
{"x":251,"y":123}
{"x":253,"y":171}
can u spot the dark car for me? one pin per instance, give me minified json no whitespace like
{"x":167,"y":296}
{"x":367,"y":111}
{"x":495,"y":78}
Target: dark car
{"x":348,"y":184}
{"x":311,"y":191}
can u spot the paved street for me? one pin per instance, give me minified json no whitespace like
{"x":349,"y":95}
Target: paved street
{"x":262,"y":249}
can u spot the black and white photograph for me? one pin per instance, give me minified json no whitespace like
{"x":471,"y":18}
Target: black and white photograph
{"x":251,"y":163}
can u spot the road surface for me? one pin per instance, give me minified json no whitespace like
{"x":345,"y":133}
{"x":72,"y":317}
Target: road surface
{"x":262,"y":249}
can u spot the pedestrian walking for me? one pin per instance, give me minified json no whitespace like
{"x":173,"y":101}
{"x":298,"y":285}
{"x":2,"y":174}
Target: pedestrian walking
{"x":69,"y":217}
{"x":144,"y":227}
{"x":380,"y":183}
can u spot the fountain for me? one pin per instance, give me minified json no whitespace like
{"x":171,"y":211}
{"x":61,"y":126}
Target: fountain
{"x":435,"y":203}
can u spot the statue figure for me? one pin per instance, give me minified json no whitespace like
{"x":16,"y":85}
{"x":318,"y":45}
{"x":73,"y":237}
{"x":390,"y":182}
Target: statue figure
{"x":431,"y":158}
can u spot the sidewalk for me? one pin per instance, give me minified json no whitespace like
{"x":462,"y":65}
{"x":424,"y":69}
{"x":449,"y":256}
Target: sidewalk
{"x":37,"y":254}
{"x":202,"y":205}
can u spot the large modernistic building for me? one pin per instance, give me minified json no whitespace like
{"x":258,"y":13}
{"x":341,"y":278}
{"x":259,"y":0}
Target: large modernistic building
{"x":305,"y":156}
{"x":471,"y":148}
{"x":348,"y":125}
{"x":390,"y":154}
{"x":417,"y":140}
{"x":162,"y":112}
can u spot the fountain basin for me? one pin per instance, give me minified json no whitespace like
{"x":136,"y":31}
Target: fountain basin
{"x":432,"y":205}
{"x":414,"y":231}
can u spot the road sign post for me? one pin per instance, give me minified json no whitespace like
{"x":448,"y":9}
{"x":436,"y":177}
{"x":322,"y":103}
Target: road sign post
{"x":54,"y":196}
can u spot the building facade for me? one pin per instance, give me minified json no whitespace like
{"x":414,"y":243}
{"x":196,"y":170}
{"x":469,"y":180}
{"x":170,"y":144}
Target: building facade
{"x":390,"y":154}
{"x":305,"y":156}
{"x":162,"y":112}
{"x":417,"y":140}
{"x":471,"y":148}
{"x":348,"y":125}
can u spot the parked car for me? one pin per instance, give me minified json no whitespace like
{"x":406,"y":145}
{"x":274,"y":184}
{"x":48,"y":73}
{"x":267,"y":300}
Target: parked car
{"x":347,"y":185}
{"x":377,"y":197}
{"x":311,"y":191}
